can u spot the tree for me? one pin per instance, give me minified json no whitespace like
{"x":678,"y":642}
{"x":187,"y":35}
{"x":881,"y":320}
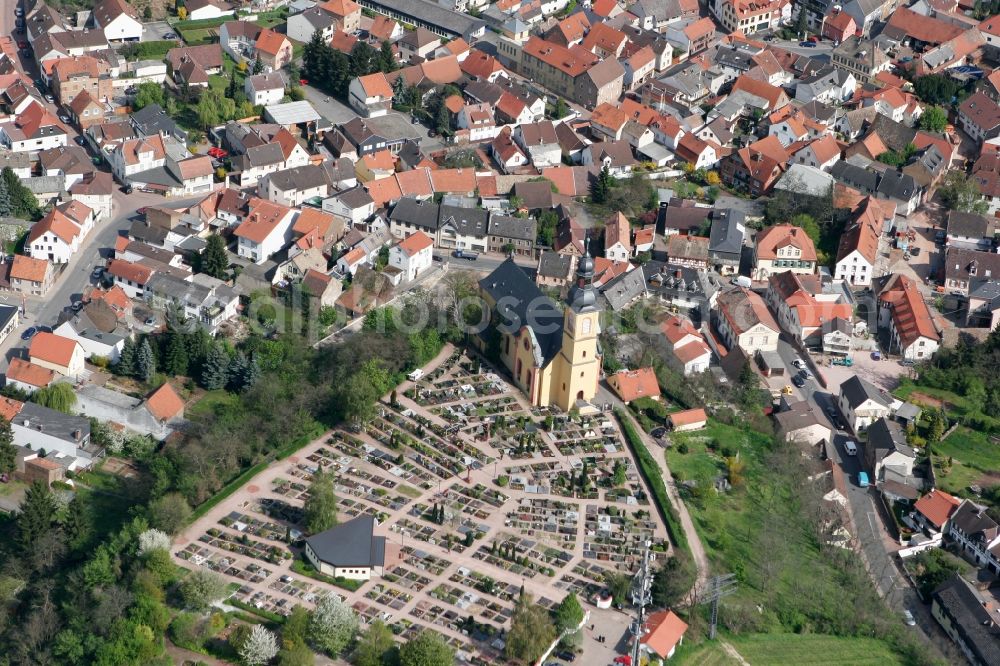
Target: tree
{"x":937,"y":89}
{"x":562,"y":109}
{"x":231,"y":88}
{"x":672,"y":581}
{"x":215,"y":369}
{"x":258,"y":66}
{"x":5,"y":205}
{"x":801,"y":21}
{"x":376,"y":646}
{"x":619,"y":585}
{"x":153,"y":539}
{"x":531,"y":632}
{"x":8,"y":452}
{"x":148,"y":93}
{"x":808,"y":225}
{"x":36,"y":515}
{"x":202,"y":588}
{"x":182,"y":13}
{"x":442,"y":121}
{"x":934,"y":119}
{"x":23,"y":203}
{"x":568,"y":614}
{"x":332,"y":625}
{"x":387,"y":58}
{"x":426,"y":649}
{"x":960,"y":192}
{"x":176,"y":357}
{"x":145,"y":362}
{"x":126,"y":359}
{"x":601,"y":188}
{"x":260,"y":647}
{"x":320,"y":511}
{"x":296,"y":626}
{"x":169,"y":513}
{"x":215,"y":260}
{"x":59,"y":396}
{"x":298,"y":654}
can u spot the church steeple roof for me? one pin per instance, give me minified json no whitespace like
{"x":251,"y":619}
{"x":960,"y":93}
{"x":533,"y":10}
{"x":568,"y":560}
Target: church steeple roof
{"x":583,"y":296}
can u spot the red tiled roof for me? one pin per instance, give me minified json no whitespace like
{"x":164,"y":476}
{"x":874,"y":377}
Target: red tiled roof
{"x":270,"y":42}
{"x":687,"y":417}
{"x":415,"y":242}
{"x":52,"y":348}
{"x":632,"y":384}
{"x":262,"y":219}
{"x":164,"y":403}
{"x":127,"y":270}
{"x":783,"y":235}
{"x":570,"y":61}
{"x":28,"y":268}
{"x":10,"y":407}
{"x":910,"y":314}
{"x":376,"y":85}
{"x":29,"y":373}
{"x":937,"y":506}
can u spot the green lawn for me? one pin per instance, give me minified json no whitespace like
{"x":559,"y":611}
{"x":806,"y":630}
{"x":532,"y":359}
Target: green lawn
{"x":198,"y":36}
{"x":797,"y":649}
{"x":972,"y":455}
{"x":699,"y":461}
{"x":212,"y":402}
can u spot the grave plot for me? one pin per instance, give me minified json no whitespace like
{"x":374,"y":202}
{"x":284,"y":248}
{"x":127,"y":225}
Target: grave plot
{"x":295,"y":587}
{"x":554,"y":521}
{"x":247,"y":524}
{"x":406,"y":578}
{"x":618,"y":538}
{"x":223,"y":540}
{"x":386,"y":595}
{"x":278,"y":509}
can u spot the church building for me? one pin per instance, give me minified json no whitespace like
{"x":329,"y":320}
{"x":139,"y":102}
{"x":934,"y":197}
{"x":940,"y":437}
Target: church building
{"x":552,"y":355}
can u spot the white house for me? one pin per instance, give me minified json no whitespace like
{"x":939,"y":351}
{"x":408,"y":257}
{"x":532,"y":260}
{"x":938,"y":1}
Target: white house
{"x":58,"y":235}
{"x":36,"y":428}
{"x":745,"y":322}
{"x":302,"y":26}
{"x":137,"y":155}
{"x":92,"y":341}
{"x":199,"y":10}
{"x":264,"y":89}
{"x":354,"y":204}
{"x":689,"y":353}
{"x":800,"y":422}
{"x":292,"y":187}
{"x":59,"y":354}
{"x":118,"y":19}
{"x":265,"y":230}
{"x":478,"y":119}
{"x":350,"y":262}
{"x":412,"y":256}
{"x":34,"y":129}
{"x":903,"y":310}
{"x":978,"y":534}
{"x":862,"y":403}
{"x":540,"y":142}
{"x":617,"y":238}
{"x":370,"y":95}
{"x":858,"y":253}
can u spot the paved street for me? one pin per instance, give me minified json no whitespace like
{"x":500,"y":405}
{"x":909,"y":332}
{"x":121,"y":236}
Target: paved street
{"x":76,"y":276}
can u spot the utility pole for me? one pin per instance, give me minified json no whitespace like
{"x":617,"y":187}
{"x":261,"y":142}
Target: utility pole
{"x":718,"y":588}
{"x":641,"y":597}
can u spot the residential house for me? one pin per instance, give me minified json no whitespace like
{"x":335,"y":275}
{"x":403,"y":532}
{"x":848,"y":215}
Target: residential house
{"x":419,"y":43}
{"x":688,"y":251}
{"x":726,"y":238}
{"x":272,"y":49}
{"x":691,"y":37}
{"x":86,"y":111}
{"x":967,"y":620}
{"x":617,"y":238}
{"x":130,"y":277}
{"x":749,"y":17}
{"x":861,"y":57}
{"x":412,"y":255}
{"x":264,"y":89}
{"x":302,"y":26}
{"x":512,"y":235}
{"x":354,"y":204}
{"x":200,"y":10}
{"x":292,"y":187}
{"x":631,"y":385}
{"x":744,"y":321}
{"x":265,"y":230}
{"x":30,"y":276}
{"x":803,"y":308}
{"x":370,"y":95}
{"x":58,"y":235}
{"x":862,"y":403}
{"x":887,"y":454}
{"x":95,"y":191}
{"x":689,"y":354}
{"x":352,"y":260}
{"x":932,"y":511}
{"x":783,"y":247}
{"x":838,"y":338}
{"x":699,"y":154}
{"x":506,"y":153}
{"x":902,"y":309}
{"x":72,"y":75}
{"x":201,"y":298}
{"x":118,"y":19}
{"x":61,"y":435}
{"x":963,"y":268}
{"x":827,"y":85}
{"x":976,"y":534}
{"x":802,"y":423}
{"x":979,"y":117}
{"x":26,"y":376}
{"x":615,"y":155}
{"x":71,"y":163}
{"x":478,"y":121}
{"x":555,"y":270}
{"x":57,"y":353}
{"x":757,"y":167}
{"x":462,"y":228}
{"x":540,"y":142}
{"x":32,"y":130}
{"x":858,"y":250}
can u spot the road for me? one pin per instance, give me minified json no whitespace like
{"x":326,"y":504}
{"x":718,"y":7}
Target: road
{"x":485,"y":263}
{"x":97,"y":247}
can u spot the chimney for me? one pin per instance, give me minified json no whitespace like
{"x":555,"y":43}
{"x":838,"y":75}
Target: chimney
{"x":77,"y":434}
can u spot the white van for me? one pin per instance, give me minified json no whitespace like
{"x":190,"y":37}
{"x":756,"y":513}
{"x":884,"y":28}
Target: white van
{"x":851,"y":448}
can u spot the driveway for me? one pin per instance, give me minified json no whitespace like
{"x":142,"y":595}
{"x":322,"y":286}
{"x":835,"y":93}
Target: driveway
{"x":156,"y":30}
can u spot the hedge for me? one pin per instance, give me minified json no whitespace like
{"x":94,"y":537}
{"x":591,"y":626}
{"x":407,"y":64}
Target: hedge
{"x":651,"y":472}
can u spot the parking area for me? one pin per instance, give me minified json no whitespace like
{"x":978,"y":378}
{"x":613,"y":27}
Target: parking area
{"x":156,"y":31}
{"x":477,"y":494}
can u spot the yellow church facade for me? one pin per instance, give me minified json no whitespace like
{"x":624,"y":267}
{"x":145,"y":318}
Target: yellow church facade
{"x":553,"y":355}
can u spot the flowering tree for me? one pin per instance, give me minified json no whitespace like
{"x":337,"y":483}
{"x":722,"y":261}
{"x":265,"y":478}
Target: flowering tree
{"x":260,"y":647}
{"x":332,"y":625}
{"x":153,"y":539}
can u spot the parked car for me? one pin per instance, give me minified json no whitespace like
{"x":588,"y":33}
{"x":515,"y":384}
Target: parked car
{"x":808,"y":44}
{"x":908,"y":618}
{"x":170,"y":35}
{"x":80,"y":141}
{"x":29,"y":333}
{"x":806,"y":374}
{"x":464,"y":254}
{"x":799,"y":363}
{"x":798,"y":381}
{"x":50,"y":99}
{"x":914,"y":251}
{"x":907,"y":363}
{"x":566,"y":655}
{"x":863,"y":479}
{"x":66,"y":119}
